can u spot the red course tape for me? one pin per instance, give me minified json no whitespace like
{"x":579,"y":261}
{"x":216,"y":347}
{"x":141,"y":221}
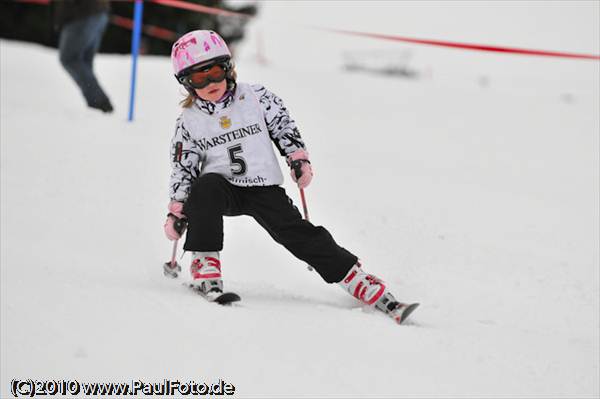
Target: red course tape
{"x":168,"y":35}
{"x":467,"y":46}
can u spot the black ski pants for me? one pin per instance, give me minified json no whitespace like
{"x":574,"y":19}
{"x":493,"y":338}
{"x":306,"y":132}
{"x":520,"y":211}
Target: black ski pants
{"x":212,"y":197}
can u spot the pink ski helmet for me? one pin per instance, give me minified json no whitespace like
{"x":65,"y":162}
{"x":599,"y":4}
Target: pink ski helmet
{"x":197,"y":47}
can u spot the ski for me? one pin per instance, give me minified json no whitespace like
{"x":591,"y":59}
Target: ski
{"x":172,"y":270}
{"x":402,"y":311}
{"x":222,"y":298}
{"x":398,"y":311}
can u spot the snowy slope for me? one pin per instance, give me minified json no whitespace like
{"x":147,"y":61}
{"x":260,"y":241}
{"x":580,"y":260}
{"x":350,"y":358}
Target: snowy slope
{"x":480,"y":202}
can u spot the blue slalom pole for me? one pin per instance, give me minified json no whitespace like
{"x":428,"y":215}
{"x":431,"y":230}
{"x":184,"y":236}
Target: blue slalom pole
{"x":135,"y":48}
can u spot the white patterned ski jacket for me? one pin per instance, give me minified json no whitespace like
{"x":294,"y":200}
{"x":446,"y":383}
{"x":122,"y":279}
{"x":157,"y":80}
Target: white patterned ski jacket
{"x":233,"y":138}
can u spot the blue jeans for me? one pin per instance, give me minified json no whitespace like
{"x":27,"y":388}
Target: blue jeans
{"x":79,"y":41}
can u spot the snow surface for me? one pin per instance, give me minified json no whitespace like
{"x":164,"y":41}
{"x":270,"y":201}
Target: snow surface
{"x":473,"y":190}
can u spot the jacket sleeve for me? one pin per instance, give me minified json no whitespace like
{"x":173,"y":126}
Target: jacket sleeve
{"x":185,"y":162}
{"x":281,"y":126}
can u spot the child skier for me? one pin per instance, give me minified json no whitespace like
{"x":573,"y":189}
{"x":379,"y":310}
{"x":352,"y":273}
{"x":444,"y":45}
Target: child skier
{"x":224,"y":165}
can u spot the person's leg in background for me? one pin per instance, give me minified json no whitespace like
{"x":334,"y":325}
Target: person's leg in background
{"x":79,"y":41}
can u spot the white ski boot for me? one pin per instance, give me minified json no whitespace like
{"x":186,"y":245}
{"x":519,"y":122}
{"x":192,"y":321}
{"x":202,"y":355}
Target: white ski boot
{"x":364,"y":287}
{"x":206,"y":274}
{"x":372,"y":291}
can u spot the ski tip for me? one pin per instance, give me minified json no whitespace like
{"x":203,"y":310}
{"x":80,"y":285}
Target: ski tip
{"x":218,"y":297}
{"x":407,"y":311}
{"x":227,"y":298}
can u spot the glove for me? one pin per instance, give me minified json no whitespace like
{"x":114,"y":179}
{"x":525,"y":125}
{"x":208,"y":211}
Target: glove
{"x":301,"y":170}
{"x":175,"y":224}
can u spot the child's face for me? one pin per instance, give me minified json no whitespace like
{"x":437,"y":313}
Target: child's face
{"x":213,"y":92}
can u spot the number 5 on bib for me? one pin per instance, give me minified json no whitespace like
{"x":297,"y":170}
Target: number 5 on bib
{"x":238,"y":164}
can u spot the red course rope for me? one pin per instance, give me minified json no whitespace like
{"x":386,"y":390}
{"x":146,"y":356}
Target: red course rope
{"x":197,"y":7}
{"x":150,"y":30}
{"x":168,"y":35}
{"x":467,"y":46}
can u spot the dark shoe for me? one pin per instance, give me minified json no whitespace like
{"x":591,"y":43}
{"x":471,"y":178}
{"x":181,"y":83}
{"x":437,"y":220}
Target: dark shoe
{"x":105,"y":106}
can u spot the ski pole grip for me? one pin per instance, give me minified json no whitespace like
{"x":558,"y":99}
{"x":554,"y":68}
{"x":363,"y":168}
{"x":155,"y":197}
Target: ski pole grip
{"x":179,"y":224}
{"x":297,"y":167}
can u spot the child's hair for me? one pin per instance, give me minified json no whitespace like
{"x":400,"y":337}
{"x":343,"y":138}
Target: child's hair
{"x":189,"y":99}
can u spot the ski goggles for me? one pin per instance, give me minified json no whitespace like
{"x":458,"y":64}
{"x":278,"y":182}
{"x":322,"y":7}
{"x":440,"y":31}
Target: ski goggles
{"x":203,"y":76}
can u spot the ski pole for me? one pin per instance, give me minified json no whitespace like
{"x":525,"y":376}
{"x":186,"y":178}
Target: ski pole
{"x":173,"y":261}
{"x":297,"y":167}
{"x":304,"y":204}
{"x":305,"y":208}
{"x":172,"y":268}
